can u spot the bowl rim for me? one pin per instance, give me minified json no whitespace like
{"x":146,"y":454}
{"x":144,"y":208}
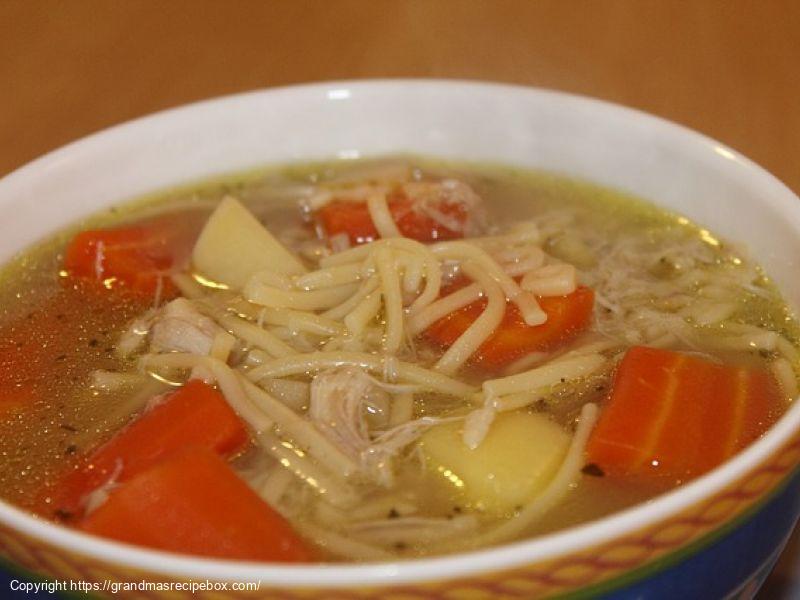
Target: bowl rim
{"x":417,"y":570}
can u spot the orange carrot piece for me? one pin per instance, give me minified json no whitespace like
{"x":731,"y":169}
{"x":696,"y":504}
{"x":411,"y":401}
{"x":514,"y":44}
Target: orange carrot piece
{"x":196,"y":414}
{"x":675,"y":415}
{"x":353,"y":219}
{"x":136,"y":258}
{"x":567,"y":316}
{"x":194,"y":503}
{"x":350,"y":218}
{"x":416,"y":225}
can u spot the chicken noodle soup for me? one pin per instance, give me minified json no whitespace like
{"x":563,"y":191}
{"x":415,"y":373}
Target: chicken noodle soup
{"x":378,"y":360}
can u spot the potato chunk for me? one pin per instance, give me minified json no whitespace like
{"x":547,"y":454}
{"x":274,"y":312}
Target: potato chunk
{"x":234,"y":245}
{"x":517,"y":459}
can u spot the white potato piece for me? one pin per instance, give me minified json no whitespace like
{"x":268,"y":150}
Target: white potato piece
{"x":516,"y":460}
{"x":234,"y":245}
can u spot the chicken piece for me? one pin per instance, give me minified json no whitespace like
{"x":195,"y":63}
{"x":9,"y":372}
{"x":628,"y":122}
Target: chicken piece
{"x":180,"y":327}
{"x":340,"y":403}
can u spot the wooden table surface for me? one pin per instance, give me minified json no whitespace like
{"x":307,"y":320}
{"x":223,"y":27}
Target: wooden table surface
{"x":726,"y":68}
{"x":729,"y":69}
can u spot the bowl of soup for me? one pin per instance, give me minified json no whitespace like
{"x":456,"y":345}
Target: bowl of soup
{"x":398,"y":339}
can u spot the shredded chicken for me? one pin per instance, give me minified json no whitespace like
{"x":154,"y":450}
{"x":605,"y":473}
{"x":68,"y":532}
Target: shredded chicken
{"x":339,"y":407}
{"x":179,"y":327}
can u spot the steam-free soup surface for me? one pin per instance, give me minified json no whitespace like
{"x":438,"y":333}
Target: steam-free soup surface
{"x":377,"y":360}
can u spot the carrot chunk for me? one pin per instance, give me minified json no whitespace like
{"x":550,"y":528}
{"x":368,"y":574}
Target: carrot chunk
{"x":196,"y":414}
{"x":353,"y":219}
{"x":136,"y":258}
{"x":350,"y":218}
{"x":675,"y":415}
{"x":567,"y":316}
{"x":194,"y":503}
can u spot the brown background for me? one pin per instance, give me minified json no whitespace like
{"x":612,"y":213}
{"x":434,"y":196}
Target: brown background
{"x":729,"y":69}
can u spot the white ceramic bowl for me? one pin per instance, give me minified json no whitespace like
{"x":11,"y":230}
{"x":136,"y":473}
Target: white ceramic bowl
{"x":581,"y":137}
